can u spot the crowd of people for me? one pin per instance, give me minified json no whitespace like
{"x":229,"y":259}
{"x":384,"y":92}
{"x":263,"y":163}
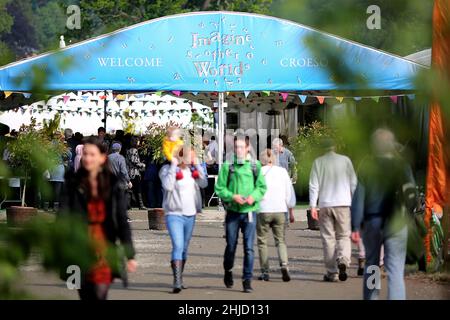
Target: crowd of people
{"x":102,"y":177}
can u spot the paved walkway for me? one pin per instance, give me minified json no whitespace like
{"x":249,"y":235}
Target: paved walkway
{"x":204,"y":270}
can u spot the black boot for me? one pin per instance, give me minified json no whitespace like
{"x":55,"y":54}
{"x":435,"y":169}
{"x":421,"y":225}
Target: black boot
{"x":141,"y":202}
{"x":182,"y":270}
{"x":176,"y":268}
{"x":361,"y":264}
{"x":247,"y":285}
{"x":228,"y":279}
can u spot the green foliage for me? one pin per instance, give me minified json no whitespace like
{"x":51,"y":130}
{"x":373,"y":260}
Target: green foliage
{"x":34,"y":150}
{"x":50,"y":23}
{"x":405,"y":24}
{"x":58,"y":244}
{"x":306,"y":147}
{"x":153,"y":140}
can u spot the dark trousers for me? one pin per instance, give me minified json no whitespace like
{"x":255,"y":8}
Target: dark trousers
{"x":52,"y":200}
{"x":154,"y":193}
{"x":136,"y":192}
{"x":234,"y":222}
{"x":93,"y":291}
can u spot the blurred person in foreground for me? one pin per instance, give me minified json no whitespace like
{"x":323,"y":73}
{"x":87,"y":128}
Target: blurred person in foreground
{"x":385,"y":193}
{"x":278,"y":199}
{"x":332,"y":182}
{"x":94,"y":192}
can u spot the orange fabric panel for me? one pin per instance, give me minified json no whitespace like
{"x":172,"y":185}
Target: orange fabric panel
{"x":438,"y":173}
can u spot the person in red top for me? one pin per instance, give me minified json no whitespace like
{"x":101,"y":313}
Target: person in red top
{"x":95,"y":193}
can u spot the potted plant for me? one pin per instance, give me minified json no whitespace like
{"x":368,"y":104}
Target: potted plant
{"x":32,"y":152}
{"x":151,"y":145}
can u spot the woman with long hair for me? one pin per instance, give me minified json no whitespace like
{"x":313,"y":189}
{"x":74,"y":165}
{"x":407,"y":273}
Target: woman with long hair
{"x":95,"y":193}
{"x":181,"y":181}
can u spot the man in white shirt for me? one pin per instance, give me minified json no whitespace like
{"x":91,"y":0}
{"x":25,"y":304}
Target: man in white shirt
{"x":331,"y":184}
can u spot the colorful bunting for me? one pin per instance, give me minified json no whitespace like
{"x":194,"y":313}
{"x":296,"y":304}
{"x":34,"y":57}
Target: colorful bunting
{"x":177,"y":93}
{"x":159,"y":93}
{"x":7,"y":94}
{"x":302,"y":98}
{"x":284,"y":95}
{"x":65,"y":99}
{"x":376,"y":99}
{"x":246,"y":93}
{"x":340,"y":99}
{"x":394,"y":99}
{"x":357,"y":98}
{"x":321,"y":99}
{"x":267,"y":93}
{"x":411,"y":96}
{"x":27,"y":95}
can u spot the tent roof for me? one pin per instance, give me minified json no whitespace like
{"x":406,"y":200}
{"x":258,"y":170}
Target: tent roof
{"x":423,"y":57}
{"x":211,"y":51}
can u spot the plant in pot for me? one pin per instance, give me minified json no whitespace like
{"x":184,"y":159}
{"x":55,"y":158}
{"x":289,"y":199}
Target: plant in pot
{"x":31,"y":153}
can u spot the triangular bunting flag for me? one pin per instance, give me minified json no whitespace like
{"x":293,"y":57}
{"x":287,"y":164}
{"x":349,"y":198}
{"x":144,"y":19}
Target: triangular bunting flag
{"x":340,"y":99}
{"x":177,"y":93}
{"x":357,"y":98}
{"x":120,"y":97}
{"x":321,"y":99}
{"x":158,"y":93}
{"x":411,"y":96}
{"x":27,"y":95}
{"x":394,"y":99}
{"x":194,"y":93}
{"x":284,"y":95}
{"x":376,"y":99}
{"x":246,"y":93}
{"x":66,"y":98}
{"x":7,"y":94}
{"x":267,"y":93}
{"x":302,"y":97}
{"x":84,"y":98}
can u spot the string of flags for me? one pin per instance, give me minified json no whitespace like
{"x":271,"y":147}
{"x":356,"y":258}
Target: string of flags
{"x":283,"y":96}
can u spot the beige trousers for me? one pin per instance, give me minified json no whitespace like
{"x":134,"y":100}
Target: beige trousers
{"x":335,"y":231}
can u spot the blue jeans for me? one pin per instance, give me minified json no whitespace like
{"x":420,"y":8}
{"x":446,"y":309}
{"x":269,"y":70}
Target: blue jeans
{"x":180,"y":230}
{"x":233,"y":222}
{"x":374,"y":235}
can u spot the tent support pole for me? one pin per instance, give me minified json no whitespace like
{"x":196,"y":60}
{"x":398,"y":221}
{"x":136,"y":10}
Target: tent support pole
{"x":221,"y":129}
{"x":105,"y":115}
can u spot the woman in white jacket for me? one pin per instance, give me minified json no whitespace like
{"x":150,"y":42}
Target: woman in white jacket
{"x":278,"y":199}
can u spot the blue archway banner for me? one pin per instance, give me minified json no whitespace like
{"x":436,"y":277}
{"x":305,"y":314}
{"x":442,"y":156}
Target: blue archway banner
{"x":211,"y":51}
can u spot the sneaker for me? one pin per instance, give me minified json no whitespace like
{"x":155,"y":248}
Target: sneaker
{"x":264,"y":277}
{"x":330,"y":277}
{"x":285,"y":274}
{"x":342,"y":271}
{"x":228,"y":279}
{"x":247,"y":284}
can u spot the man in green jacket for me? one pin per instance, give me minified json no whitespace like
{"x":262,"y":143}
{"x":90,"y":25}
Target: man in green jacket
{"x":241,"y":186}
